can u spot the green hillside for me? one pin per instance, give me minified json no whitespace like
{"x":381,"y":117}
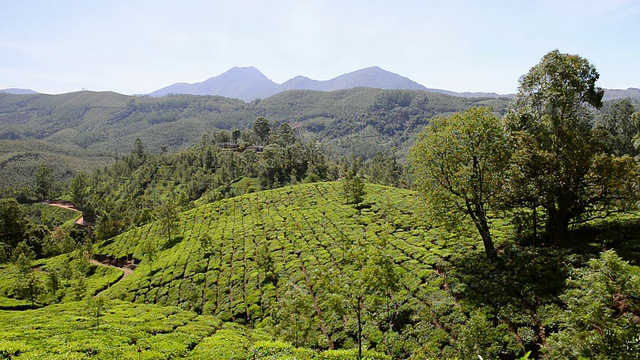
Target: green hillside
{"x":300,"y":250}
{"x":255,"y":230}
{"x":120,"y":330}
{"x":298,"y":229}
{"x":303,"y":273}
{"x":300,"y":264}
{"x":83,"y":131}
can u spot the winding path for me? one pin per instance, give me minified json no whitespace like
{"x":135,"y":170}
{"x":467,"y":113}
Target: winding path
{"x":125,"y":271}
{"x":69,"y":206}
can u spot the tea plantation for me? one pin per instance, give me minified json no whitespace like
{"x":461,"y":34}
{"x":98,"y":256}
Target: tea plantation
{"x":296,"y":273}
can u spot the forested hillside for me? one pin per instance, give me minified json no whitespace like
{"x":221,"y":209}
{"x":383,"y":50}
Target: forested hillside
{"x":86,"y":130}
{"x":296,"y":227}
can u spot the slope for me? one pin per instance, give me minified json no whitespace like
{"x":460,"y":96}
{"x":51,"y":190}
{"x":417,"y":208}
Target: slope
{"x":86,"y":130}
{"x":267,"y":249}
{"x":248,"y":83}
{"x":372,"y":77}
{"x":121,"y":330}
{"x":244,"y":83}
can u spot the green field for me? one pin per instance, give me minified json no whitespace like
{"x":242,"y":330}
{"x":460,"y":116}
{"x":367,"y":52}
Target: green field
{"x":137,"y":331}
{"x":303,"y":229}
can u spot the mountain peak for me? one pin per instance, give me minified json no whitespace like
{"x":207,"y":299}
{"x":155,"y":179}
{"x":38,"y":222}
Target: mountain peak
{"x":248,"y":83}
{"x":374,"y":77}
{"x":244,"y":83}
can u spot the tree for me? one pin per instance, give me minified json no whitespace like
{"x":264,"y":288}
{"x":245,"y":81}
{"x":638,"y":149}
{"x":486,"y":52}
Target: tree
{"x":23,"y":250}
{"x":362,"y":285}
{"x":27,"y":284}
{"x":384,"y":169}
{"x":557,"y":158}
{"x":459,"y":164}
{"x":235,"y":135}
{"x":353,"y":188}
{"x":13,"y":223}
{"x":95,"y":307}
{"x":44,"y":181}
{"x":29,"y":287}
{"x":78,"y":190}
{"x":167,"y":215}
{"x":78,"y":287}
{"x":620,"y":127}
{"x":138,"y":155}
{"x":285,"y":135}
{"x":53,"y":285}
{"x":262,"y":129}
{"x":294,"y":316}
{"x":149,"y":251}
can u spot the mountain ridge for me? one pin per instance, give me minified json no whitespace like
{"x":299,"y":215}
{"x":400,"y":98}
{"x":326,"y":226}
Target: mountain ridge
{"x":16,"y":91}
{"x":248,"y":84}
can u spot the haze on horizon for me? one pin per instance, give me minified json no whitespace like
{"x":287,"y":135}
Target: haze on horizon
{"x":464,"y":45}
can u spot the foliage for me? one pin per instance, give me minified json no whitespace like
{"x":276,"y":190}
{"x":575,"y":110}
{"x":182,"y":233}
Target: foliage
{"x":60,"y":278}
{"x":377,"y":280}
{"x":139,"y":331}
{"x":143,"y":186}
{"x":261,"y":129}
{"x":96,"y":306}
{"x":602,"y":316}
{"x":85,"y":131}
{"x":13,"y":224}
{"x":557,"y":156}
{"x":353,"y":187}
{"x":44,"y":182}
{"x":266,"y":244}
{"x":620,"y":125}
{"x":459,"y":165}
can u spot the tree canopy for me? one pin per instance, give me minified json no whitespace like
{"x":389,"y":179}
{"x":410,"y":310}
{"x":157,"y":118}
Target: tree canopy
{"x":559,"y":163}
{"x":459,"y":164}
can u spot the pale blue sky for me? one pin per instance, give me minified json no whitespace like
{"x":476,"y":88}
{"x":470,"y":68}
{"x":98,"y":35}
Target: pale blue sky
{"x":135,"y":47}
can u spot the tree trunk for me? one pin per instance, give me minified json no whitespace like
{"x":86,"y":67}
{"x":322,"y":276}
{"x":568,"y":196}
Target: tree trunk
{"x":557,"y":227}
{"x":489,"y":249}
{"x":480,"y":220}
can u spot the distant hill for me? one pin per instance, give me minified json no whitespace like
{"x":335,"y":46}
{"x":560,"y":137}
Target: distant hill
{"x":616,"y":94}
{"x":85,"y":130}
{"x":245,"y":83}
{"x":18,"y":91}
{"x":248,"y":83}
{"x":372,"y":77}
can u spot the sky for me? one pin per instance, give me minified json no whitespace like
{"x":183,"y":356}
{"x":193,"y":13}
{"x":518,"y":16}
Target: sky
{"x":136,"y":47}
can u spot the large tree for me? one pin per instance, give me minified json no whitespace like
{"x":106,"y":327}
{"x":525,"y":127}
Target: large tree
{"x":262,"y":129}
{"x":459,"y":164}
{"x":559,"y":164}
{"x":44,"y":181}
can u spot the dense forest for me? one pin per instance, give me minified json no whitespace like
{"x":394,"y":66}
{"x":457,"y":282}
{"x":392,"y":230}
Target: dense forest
{"x":86,"y":131}
{"x":356,"y":224}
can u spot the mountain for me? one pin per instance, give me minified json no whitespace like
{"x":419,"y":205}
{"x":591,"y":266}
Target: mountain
{"x":372,"y":77}
{"x":617,"y":94}
{"x":244,"y":83}
{"x":248,"y":83}
{"x":18,"y":91}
